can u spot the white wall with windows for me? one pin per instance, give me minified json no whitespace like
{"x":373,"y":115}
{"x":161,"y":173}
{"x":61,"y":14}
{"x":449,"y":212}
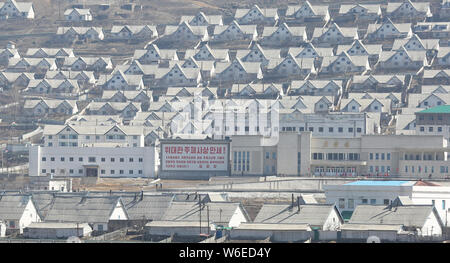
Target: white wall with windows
{"x":100,"y":161}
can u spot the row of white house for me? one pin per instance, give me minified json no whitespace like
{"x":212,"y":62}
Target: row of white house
{"x":49,"y":215}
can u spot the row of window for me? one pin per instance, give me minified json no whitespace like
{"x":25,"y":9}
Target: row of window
{"x":373,"y":201}
{"x":80,"y":171}
{"x":380,"y":156}
{"x":321,"y":129}
{"x":336,"y":156}
{"x":364,"y":201}
{"x":431,"y":129}
{"x":241,"y":161}
{"x":413,"y":169}
{"x":92,"y":159}
{"x":88,"y":137}
{"x":380,"y":169}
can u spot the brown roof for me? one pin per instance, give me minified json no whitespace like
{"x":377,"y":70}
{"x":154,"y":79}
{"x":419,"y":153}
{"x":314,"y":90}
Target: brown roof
{"x":424,"y":183}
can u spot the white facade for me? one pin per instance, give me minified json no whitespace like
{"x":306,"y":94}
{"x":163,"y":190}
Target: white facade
{"x":347,"y":196}
{"x":92,"y":161}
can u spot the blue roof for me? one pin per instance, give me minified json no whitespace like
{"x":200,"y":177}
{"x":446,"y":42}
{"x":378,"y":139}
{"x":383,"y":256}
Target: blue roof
{"x":383,"y":183}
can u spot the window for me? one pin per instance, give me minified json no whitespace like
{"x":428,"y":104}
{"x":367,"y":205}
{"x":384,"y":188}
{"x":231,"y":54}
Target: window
{"x":44,"y":171}
{"x":443,"y":204}
{"x":91,"y":159}
{"x":388,"y":156}
{"x":103,"y":159}
{"x":113,"y":160}
{"x":373,"y":201}
{"x":80,"y":159}
{"x":120,"y":171}
{"x":131,"y":160}
{"x":100,"y":227}
{"x":340,"y":129}
{"x":386,"y":201}
{"x":267,"y":155}
{"x":371,"y":156}
{"x":102,"y":171}
{"x":364,"y":201}
{"x":121,"y":160}
{"x":351,"y":203}
{"x":359,"y":130}
{"x":140,"y":160}
{"x":62,"y":159}
{"x":44,"y":159}
{"x":130,"y":172}
{"x":112,"y":171}
{"x":341,"y":203}
{"x":330,"y":129}
{"x":274,"y":155}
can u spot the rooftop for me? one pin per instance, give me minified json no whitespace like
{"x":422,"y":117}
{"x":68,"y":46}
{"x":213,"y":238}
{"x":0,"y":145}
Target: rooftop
{"x":383,"y":183}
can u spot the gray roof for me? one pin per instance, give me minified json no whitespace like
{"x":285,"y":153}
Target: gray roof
{"x":318,"y":10}
{"x":409,"y":216}
{"x":12,"y":207}
{"x":219,"y":212}
{"x":419,"y":6}
{"x":298,"y":31}
{"x":151,"y":207}
{"x":371,"y":8}
{"x":267,"y":12}
{"x":312,"y":214}
{"x":43,"y":202}
{"x":89,"y":209}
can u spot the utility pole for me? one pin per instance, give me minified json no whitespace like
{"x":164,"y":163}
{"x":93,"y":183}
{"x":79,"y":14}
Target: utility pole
{"x":200,"y":212}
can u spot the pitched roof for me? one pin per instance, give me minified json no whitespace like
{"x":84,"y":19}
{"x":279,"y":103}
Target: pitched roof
{"x":87,"y":209}
{"x":312,"y":214}
{"x":219,"y":212}
{"x":12,"y":207}
{"x":409,"y":216}
{"x":151,"y":207}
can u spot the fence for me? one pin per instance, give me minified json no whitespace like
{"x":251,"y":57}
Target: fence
{"x":112,"y":235}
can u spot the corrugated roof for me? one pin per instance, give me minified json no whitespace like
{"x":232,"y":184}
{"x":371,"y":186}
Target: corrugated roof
{"x":151,"y":207}
{"x":312,"y":214}
{"x":409,"y":216}
{"x":12,"y":207}
{"x":88,"y":209}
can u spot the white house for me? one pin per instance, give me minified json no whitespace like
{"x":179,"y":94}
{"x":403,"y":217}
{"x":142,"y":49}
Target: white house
{"x":54,"y":230}
{"x":97,"y":211}
{"x":14,"y":9}
{"x":349,"y":196}
{"x":18,"y":212}
{"x":307,"y":13}
{"x":283,"y":35}
{"x":333,"y":35}
{"x":126,"y":32}
{"x":202,"y":20}
{"x":388,"y":30}
{"x":256,"y":15}
{"x":77,"y":15}
{"x":234,"y":32}
{"x":409,"y":10}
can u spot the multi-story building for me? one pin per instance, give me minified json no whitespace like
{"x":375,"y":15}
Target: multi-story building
{"x":377,"y":155}
{"x":434,"y":121}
